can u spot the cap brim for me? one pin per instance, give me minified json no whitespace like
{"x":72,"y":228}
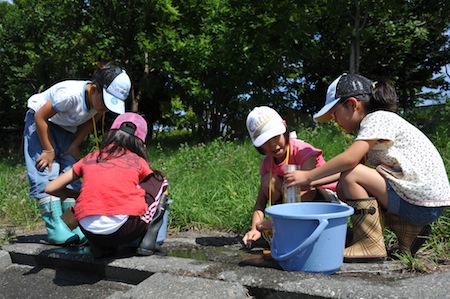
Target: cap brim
{"x":324,"y":114}
{"x":113,"y":103}
{"x":263,"y":138}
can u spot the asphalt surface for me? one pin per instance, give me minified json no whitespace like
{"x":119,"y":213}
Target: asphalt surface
{"x":197,"y":266}
{"x":23,"y":281}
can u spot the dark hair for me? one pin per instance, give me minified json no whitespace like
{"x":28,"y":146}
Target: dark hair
{"x":158,"y":174}
{"x":286,"y":136}
{"x":383,"y":97}
{"x":105,"y":74}
{"x":117,"y":141}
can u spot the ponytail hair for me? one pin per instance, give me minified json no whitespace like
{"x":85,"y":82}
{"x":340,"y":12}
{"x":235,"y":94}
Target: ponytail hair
{"x":383,"y":97}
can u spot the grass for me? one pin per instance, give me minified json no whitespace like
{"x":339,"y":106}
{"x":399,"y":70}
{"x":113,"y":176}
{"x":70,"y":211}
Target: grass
{"x":214,"y":185}
{"x":15,"y":207}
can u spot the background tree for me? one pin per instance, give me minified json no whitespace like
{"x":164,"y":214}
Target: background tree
{"x":202,"y":64}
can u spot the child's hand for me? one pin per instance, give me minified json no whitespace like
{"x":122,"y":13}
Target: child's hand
{"x":46,"y":159}
{"x":295,"y":177}
{"x":250,"y":236}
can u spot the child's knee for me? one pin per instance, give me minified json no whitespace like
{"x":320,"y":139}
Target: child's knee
{"x":276,"y":181}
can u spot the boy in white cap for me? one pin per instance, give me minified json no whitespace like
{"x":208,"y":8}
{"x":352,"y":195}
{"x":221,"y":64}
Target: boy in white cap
{"x":406,"y":182}
{"x":271,"y":137}
{"x":57,"y":121}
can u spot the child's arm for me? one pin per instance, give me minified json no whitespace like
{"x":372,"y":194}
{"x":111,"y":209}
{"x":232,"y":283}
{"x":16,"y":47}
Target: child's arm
{"x":48,"y":152}
{"x":311,"y":164}
{"x":258,"y":215}
{"x":342,"y":162}
{"x":82,"y":132}
{"x":326,"y":180}
{"x":57,"y":187}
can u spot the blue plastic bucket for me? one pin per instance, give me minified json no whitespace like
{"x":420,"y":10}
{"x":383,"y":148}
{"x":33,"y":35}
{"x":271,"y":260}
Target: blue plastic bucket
{"x":309,"y":237}
{"x":162,"y":230}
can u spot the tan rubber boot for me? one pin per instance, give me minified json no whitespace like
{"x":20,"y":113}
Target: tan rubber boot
{"x":410,"y":237}
{"x":368,"y":242}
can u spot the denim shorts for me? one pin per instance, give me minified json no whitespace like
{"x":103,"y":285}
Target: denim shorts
{"x":61,"y":140}
{"x":410,"y":213}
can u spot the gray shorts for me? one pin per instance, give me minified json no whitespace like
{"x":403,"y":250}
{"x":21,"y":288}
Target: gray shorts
{"x":413,"y":214}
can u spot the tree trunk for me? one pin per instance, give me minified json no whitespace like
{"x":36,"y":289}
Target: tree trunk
{"x":358,"y":25}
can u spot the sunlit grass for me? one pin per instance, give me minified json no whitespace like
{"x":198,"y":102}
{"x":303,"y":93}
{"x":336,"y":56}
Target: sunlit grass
{"x":15,"y":207}
{"x":214,"y":185}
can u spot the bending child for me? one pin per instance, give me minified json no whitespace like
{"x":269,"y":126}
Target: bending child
{"x":57,"y":121}
{"x":271,"y":137}
{"x":409,"y":183}
{"x":112,"y":208}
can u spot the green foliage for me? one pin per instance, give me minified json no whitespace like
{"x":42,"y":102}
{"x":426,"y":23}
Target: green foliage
{"x":328,"y":137}
{"x":413,"y":264}
{"x":213,"y":185}
{"x":218,"y":58}
{"x":433,"y":121}
{"x":15,"y":207}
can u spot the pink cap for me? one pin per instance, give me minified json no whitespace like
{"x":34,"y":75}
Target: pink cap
{"x":134,"y":118}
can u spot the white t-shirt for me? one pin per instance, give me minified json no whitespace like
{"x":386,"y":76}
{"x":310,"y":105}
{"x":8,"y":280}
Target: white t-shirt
{"x":103,"y":225}
{"x":406,"y":158}
{"x":68,"y":99}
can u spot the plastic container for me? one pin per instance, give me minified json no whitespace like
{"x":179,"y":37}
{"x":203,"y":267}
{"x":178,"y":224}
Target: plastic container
{"x":292,"y":193}
{"x":163,"y":229}
{"x":309,"y":236}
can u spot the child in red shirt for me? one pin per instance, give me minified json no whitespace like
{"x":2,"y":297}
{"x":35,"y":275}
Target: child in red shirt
{"x":111,"y":207}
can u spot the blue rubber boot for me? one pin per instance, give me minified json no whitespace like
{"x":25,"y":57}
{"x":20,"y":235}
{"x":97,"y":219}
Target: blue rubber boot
{"x":57,"y":231}
{"x":67,"y":203}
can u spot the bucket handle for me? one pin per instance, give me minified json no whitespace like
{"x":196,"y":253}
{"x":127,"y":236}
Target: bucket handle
{"x":323,"y":223}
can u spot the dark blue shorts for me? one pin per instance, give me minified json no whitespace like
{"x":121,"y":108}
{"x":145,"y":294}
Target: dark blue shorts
{"x":411,"y":213}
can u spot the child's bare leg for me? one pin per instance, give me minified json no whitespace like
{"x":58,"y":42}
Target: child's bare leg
{"x":362,"y":182}
{"x":275,"y":186}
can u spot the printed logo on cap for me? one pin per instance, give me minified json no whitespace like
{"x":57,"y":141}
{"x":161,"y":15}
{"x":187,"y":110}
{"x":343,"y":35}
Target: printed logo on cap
{"x":257,"y":125}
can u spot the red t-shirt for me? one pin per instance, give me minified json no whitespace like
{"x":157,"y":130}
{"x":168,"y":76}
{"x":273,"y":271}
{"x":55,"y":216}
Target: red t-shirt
{"x":111,"y":187}
{"x":299,"y":153}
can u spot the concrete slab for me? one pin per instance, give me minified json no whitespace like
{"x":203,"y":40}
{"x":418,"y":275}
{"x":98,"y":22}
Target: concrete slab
{"x":221,"y":264}
{"x":5,"y":260}
{"x":162,"y":285}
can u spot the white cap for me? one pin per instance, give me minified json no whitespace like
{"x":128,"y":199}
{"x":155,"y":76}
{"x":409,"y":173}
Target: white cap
{"x":115,"y":94}
{"x":264,"y":123}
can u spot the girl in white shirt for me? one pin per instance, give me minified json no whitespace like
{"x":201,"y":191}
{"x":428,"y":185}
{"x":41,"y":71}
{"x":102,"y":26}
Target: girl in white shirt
{"x":407,"y":179}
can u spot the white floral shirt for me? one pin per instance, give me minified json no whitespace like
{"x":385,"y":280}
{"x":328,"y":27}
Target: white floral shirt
{"x":406,"y":158}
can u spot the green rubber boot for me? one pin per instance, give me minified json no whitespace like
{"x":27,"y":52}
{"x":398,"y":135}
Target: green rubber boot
{"x":57,"y":231}
{"x":67,"y":203}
